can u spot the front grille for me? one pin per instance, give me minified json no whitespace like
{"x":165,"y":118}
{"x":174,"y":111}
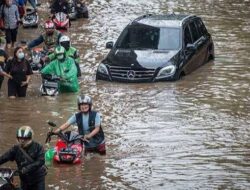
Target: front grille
{"x":127,"y":73}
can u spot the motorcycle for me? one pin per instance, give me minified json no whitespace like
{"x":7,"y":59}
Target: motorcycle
{"x":30,"y":19}
{"x":50,"y":85}
{"x":77,"y":10}
{"x":61,"y":21}
{"x":72,"y":13}
{"x":69,"y":146}
{"x":36,"y":59}
{"x":7,"y":179}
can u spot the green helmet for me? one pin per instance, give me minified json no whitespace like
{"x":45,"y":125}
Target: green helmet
{"x":59,"y":50}
{"x":24,"y":132}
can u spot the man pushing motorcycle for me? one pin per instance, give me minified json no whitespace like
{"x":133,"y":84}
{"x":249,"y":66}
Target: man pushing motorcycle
{"x":29,"y":157}
{"x":70,"y":51}
{"x":64,"y":67}
{"x":89,"y":124}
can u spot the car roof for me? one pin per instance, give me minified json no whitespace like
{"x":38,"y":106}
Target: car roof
{"x":168,"y":20}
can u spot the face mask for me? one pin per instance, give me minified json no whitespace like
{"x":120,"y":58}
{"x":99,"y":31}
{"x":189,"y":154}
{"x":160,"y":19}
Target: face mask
{"x":60,"y":57}
{"x":20,"y":55}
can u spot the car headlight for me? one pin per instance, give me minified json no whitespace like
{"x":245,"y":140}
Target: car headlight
{"x":102,"y":69}
{"x":166,"y":71}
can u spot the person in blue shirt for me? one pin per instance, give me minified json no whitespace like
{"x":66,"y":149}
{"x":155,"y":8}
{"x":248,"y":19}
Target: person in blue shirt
{"x":89,"y":125}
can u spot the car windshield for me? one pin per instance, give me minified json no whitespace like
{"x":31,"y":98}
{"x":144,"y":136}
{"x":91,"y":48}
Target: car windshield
{"x":147,"y":37}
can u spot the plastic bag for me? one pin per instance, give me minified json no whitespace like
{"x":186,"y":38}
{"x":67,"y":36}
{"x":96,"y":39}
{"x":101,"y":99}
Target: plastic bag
{"x":49,"y":154}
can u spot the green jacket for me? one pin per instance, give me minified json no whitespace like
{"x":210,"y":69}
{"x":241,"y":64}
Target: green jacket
{"x":67,"y":71}
{"x":72,"y":52}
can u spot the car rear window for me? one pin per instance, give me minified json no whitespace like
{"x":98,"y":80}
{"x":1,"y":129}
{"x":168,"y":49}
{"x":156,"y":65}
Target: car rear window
{"x":147,"y":37}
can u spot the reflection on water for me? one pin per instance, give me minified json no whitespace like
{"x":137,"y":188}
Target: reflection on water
{"x":190,"y":134}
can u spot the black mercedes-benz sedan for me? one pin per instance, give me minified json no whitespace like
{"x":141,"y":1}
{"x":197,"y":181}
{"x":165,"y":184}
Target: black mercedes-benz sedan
{"x":157,"y":48}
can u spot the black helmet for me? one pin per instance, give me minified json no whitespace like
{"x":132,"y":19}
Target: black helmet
{"x":24,"y":132}
{"x":84,"y":99}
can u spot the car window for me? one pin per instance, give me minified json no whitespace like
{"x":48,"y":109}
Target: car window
{"x":194,"y":32}
{"x":187,"y":36}
{"x":201,"y":27}
{"x":169,"y":39}
{"x":147,"y":37}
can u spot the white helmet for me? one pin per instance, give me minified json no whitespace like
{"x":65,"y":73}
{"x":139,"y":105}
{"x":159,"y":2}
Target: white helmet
{"x":65,"y":42}
{"x":84,"y":99}
{"x":64,"y":39}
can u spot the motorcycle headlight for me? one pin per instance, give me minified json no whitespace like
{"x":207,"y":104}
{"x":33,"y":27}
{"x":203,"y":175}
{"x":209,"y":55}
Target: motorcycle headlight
{"x":166,"y":71}
{"x":102,"y":69}
{"x":51,"y":91}
{"x":36,"y":60}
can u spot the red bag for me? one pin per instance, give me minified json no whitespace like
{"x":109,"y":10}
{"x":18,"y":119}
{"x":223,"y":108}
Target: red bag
{"x":21,"y":11}
{"x":1,"y":23}
{"x":2,"y":17}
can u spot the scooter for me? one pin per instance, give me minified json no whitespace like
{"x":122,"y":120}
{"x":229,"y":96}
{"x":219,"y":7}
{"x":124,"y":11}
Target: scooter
{"x":50,"y":85}
{"x":61,"y":21}
{"x":7,"y":179}
{"x":30,"y":19}
{"x":82,"y":10}
{"x":73,"y":13}
{"x":36,"y":59}
{"x":69,"y":146}
{"x":77,"y":10}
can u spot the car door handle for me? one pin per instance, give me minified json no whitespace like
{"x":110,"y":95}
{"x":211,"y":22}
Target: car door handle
{"x":199,"y":42}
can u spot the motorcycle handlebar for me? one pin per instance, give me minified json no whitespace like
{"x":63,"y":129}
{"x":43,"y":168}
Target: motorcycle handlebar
{"x":61,"y":135}
{"x":64,"y":138}
{"x":51,"y":123}
{"x":50,"y":133}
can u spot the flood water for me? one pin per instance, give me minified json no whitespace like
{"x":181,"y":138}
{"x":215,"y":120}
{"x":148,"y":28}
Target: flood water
{"x":189,"y":134}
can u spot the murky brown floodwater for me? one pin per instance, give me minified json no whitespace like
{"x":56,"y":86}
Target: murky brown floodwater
{"x":190,"y":134}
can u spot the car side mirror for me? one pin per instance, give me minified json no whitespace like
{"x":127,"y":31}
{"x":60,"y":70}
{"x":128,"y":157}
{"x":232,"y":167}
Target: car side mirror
{"x":109,"y":45}
{"x":190,"y":47}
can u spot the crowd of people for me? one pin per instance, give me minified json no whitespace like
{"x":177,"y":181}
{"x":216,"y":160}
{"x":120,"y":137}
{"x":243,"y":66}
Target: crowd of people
{"x":61,"y":55}
{"x":62,"y":60}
